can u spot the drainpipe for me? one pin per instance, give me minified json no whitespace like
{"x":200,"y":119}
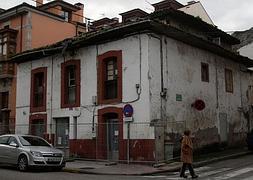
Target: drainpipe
{"x":51,"y":99}
{"x":162,"y":96}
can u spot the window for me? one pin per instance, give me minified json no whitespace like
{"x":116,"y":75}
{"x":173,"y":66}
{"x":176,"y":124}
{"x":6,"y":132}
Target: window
{"x":38,"y":89}
{"x":7,"y":42}
{"x":110,"y":77}
{"x":38,"y":125}
{"x":204,"y":72}
{"x":229,"y":80}
{"x":70,"y":93}
{"x":4,"y":139}
{"x":5,"y":100}
{"x":66,"y":15}
{"x":11,"y":140}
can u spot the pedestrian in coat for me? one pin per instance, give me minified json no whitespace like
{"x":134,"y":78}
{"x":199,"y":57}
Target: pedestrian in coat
{"x":186,"y":154}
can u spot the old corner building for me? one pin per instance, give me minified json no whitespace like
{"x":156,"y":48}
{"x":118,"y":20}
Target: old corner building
{"x":175,"y":70}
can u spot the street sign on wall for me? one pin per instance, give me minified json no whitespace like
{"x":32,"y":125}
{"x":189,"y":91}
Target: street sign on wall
{"x":128,"y":110}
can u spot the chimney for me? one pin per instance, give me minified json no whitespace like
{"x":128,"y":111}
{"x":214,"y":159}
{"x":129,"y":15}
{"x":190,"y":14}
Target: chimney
{"x":167,"y":4}
{"x":78,"y":15}
{"x":39,"y":3}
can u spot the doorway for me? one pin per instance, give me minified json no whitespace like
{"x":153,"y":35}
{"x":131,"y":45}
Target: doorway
{"x":62,"y":133}
{"x":112,"y":136}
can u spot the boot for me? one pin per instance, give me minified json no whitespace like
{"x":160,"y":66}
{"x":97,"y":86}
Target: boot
{"x":195,"y":176}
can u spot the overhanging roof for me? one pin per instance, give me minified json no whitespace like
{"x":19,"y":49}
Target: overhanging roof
{"x":196,"y":23}
{"x":146,"y":26}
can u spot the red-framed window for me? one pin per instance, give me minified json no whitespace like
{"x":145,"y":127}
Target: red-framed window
{"x":70,"y":84}
{"x":4,"y":100}
{"x":204,"y":72}
{"x":38,"y":125}
{"x":229,"y":80}
{"x":38,"y":89}
{"x":110,"y":77}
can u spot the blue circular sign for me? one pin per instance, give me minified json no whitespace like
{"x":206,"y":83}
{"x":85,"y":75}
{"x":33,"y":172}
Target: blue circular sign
{"x":128,"y":110}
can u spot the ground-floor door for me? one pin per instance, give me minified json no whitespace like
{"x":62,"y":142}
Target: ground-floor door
{"x":62,"y":134}
{"x":112,"y":126}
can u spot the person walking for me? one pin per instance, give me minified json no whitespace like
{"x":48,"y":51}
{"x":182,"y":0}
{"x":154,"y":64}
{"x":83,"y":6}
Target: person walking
{"x":186,"y":155}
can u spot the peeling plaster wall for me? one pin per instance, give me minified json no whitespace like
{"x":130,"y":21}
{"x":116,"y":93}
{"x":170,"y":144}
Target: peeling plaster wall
{"x":223,"y":119}
{"x":182,"y":78}
{"x":134,"y":49}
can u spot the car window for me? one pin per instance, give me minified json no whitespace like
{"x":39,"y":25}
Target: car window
{"x":32,"y":141}
{"x":4,"y":139}
{"x":12,"y":139}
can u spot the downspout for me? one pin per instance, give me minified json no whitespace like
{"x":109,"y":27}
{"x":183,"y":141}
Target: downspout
{"x":216,"y":84}
{"x":51,"y":99}
{"x":163,"y":94}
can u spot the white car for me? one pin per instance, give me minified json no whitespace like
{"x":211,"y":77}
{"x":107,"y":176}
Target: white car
{"x":26,"y":151}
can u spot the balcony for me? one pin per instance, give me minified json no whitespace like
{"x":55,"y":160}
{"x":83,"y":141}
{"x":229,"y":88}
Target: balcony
{"x":6,"y":70}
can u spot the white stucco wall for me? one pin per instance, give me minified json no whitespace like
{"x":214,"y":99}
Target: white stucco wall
{"x":182,"y":75}
{"x":197,"y":10}
{"x":134,"y":50}
{"x":247,"y":50}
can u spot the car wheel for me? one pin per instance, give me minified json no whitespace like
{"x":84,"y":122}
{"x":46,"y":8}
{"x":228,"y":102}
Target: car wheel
{"x":22,"y":163}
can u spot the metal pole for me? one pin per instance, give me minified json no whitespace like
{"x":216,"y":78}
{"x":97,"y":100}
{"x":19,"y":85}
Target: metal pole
{"x":128,"y":143}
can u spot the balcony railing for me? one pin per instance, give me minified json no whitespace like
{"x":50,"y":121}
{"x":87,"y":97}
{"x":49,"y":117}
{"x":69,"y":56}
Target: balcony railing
{"x":6,"y":70}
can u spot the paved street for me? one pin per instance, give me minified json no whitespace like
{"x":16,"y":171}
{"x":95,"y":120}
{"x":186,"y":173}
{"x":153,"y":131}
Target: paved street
{"x":233,"y":169}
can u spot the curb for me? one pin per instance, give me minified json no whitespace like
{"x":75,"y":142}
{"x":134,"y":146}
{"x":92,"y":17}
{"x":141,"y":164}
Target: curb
{"x":172,"y":169}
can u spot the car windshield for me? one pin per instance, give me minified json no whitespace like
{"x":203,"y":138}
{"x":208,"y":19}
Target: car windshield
{"x":32,"y":141}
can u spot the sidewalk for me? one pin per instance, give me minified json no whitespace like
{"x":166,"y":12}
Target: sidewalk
{"x":104,"y":168}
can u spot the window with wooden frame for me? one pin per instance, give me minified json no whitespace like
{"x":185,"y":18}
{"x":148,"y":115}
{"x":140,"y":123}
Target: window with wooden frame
{"x":204,"y":72}
{"x":38,"y":125}
{"x":7,"y":42}
{"x":4,"y":100}
{"x":70,"y":85}
{"x":110,"y":77}
{"x":229,"y":80}
{"x":38,"y":89}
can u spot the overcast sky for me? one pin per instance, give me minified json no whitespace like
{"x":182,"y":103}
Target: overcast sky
{"x":228,"y":15}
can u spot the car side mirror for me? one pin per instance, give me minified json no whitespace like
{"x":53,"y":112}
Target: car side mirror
{"x":13,"y":144}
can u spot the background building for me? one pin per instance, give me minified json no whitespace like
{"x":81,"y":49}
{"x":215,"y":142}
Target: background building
{"x":25,"y":27}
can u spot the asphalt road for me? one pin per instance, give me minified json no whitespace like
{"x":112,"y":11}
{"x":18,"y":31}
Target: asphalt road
{"x":233,"y":169}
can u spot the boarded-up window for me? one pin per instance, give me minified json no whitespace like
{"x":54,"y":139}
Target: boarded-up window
{"x":204,"y":72}
{"x":229,"y":80}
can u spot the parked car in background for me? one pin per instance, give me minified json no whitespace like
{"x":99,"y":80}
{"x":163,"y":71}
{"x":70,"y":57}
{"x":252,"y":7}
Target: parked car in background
{"x":25,"y":151}
{"x":249,"y":140}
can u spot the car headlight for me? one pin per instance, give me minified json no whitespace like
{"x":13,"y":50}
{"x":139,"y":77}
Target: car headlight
{"x":36,"y":154}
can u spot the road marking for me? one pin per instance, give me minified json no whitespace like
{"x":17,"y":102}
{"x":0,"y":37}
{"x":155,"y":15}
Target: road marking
{"x":235,"y":173}
{"x":209,"y":173}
